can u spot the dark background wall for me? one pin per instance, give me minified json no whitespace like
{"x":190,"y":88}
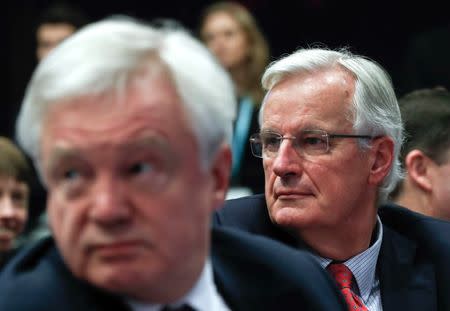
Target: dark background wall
{"x":379,"y":29}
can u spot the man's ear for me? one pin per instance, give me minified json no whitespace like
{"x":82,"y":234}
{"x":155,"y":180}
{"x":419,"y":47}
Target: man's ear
{"x":382,"y":159}
{"x":221,"y":170}
{"x":417,"y":166}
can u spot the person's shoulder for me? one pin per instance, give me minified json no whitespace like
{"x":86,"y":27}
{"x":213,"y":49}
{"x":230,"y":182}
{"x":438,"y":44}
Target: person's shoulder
{"x":230,"y":238}
{"x":240,"y":208}
{"x":27,"y":280}
{"x":246,"y":213}
{"x":256,"y":271}
{"x":428,"y":232}
{"x":37,"y":279}
{"x":244,"y":202}
{"x":398,"y":216}
{"x":258,"y":249}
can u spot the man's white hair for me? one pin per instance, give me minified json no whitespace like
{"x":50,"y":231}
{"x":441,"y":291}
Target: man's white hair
{"x":103,"y":56}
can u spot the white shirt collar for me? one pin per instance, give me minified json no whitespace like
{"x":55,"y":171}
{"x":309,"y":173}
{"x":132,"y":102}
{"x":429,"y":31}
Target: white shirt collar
{"x":202,"y":297}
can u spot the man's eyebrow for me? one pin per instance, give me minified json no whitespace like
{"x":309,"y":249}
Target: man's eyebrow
{"x":148,"y":142}
{"x":304,"y":127}
{"x":59,"y":153}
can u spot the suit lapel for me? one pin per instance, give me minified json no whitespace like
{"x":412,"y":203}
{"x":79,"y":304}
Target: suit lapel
{"x":406,"y":282}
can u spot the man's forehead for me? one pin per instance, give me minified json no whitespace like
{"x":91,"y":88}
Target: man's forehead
{"x":146,"y":140}
{"x":145,"y":110}
{"x":326,"y":94}
{"x":337,"y":78}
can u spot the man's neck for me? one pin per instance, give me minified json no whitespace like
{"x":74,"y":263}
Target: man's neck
{"x":415,"y":200}
{"x":202,"y":296}
{"x":338,"y":244}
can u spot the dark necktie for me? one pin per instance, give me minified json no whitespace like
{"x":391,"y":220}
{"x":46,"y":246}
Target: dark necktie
{"x":344,"y":277}
{"x":184,"y":307}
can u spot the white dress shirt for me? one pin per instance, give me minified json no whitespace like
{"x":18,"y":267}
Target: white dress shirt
{"x":202,"y":297}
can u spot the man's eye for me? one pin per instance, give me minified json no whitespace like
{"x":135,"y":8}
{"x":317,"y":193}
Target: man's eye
{"x":140,"y":168}
{"x":313,"y":140}
{"x":271,"y":140}
{"x":71,"y":174}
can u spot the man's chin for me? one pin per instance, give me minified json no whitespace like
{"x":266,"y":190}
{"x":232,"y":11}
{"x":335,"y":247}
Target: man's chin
{"x":116,"y":281}
{"x":289,"y":215}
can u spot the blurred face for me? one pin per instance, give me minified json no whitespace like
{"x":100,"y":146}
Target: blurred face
{"x":13,"y":210}
{"x":129,"y":204}
{"x":226,"y":39}
{"x":324,"y":191}
{"x":440,"y":178}
{"x":50,"y":35}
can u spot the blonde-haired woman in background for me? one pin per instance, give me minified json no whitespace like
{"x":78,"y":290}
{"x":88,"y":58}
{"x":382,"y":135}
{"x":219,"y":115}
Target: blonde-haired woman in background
{"x":231,"y":33}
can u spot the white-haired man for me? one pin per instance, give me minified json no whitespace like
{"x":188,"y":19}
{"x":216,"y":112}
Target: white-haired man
{"x":129,"y":127}
{"x":330,"y":137}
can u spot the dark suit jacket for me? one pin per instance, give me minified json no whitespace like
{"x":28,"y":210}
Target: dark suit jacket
{"x":250,"y":272}
{"x":414,"y":260}
{"x":5,"y":257}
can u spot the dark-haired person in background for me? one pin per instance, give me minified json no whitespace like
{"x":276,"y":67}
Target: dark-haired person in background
{"x":426,"y":153}
{"x":55,"y":24}
{"x":14,"y":195}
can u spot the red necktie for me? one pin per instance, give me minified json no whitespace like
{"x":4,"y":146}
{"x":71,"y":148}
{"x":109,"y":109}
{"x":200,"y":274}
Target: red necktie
{"x":343,"y":277}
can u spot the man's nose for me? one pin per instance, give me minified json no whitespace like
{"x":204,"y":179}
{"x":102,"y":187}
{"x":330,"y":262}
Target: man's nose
{"x":109,"y":203}
{"x":287,"y":161}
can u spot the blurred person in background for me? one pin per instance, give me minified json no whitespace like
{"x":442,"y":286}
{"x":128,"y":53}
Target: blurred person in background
{"x":426,"y":153}
{"x":14,"y":195}
{"x":57,"y":22}
{"x":231,"y":33}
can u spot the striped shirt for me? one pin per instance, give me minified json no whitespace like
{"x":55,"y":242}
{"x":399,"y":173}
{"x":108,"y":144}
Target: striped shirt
{"x":363,"y":267}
